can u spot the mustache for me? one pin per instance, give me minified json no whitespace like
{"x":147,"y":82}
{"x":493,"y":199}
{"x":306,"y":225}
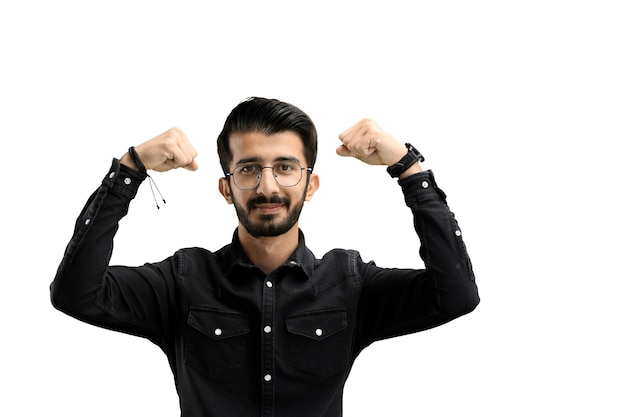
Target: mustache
{"x":271,"y":200}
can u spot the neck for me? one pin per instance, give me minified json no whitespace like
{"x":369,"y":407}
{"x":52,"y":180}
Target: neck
{"x":268,"y":253}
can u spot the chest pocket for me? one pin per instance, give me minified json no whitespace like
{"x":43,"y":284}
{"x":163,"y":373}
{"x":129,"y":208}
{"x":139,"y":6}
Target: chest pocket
{"x":217,"y":341}
{"x":318,"y":342}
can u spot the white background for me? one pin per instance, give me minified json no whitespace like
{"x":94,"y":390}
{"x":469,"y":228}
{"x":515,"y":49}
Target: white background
{"x":519,"y":107}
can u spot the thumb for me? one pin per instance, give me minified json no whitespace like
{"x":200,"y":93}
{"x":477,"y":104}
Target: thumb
{"x":193,"y":166}
{"x":343,"y":151}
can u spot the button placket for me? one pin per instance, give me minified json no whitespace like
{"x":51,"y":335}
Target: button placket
{"x":267,"y":317}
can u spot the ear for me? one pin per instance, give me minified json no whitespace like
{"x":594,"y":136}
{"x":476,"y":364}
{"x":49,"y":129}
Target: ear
{"x":224,"y":187}
{"x":314,"y":184}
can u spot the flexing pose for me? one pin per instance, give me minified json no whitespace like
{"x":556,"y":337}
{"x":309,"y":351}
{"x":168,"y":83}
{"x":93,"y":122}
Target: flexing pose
{"x":263,"y":327}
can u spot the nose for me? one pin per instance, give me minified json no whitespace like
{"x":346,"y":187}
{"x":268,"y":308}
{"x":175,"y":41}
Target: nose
{"x":267,"y":183}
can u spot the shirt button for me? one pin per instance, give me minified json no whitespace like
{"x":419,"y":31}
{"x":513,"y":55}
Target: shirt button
{"x":87,"y":222}
{"x":269,"y":284}
{"x":267,"y":377}
{"x":218,"y":332}
{"x":112,"y":174}
{"x":425,"y":184}
{"x":319,"y":332}
{"x":458,"y":233}
{"x":127,"y":181}
{"x":267,"y":329}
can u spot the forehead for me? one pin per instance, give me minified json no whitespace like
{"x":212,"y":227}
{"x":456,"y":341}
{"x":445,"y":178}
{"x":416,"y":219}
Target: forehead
{"x":266,"y":148}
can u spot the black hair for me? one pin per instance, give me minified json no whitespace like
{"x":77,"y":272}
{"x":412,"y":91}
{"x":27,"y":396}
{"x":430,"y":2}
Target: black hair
{"x":267,"y":116}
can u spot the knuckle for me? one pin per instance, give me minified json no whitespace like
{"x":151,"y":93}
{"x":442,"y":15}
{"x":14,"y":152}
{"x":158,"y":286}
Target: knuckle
{"x":176,"y":131}
{"x":174,"y":135}
{"x":169,"y":141}
{"x":369,"y":124}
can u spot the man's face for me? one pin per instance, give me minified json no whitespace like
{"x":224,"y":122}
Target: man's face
{"x":269,"y":209}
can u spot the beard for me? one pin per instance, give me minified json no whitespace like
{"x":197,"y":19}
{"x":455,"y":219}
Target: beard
{"x":268,"y":225}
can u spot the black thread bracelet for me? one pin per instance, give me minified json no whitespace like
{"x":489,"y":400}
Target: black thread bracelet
{"x":140,"y":166}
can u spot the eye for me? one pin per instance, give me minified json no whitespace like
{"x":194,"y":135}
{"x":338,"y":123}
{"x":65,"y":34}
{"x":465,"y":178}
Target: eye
{"x":284,"y":167}
{"x":250,"y":169}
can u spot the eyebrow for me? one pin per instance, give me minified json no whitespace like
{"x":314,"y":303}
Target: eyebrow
{"x":259,"y":160}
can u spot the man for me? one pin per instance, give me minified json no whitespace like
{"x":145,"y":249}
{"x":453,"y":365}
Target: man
{"x":262,"y":326}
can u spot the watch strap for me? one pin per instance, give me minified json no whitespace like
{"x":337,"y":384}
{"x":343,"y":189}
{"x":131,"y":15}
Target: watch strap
{"x":412,"y":156}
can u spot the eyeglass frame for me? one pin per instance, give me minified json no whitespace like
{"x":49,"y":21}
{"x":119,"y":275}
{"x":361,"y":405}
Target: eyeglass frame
{"x":309,"y":170}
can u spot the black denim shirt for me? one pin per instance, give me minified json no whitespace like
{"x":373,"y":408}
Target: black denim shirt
{"x":243,"y":343}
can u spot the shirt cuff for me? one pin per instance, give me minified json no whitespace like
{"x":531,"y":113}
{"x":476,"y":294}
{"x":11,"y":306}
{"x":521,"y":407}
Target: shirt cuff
{"x":421,"y":187}
{"x":123,"y":180}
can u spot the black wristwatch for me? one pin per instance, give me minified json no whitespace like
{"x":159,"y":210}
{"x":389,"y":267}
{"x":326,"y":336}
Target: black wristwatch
{"x":407,"y":160}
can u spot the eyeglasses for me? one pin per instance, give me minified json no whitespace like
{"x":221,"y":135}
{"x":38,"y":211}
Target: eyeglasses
{"x":286,"y":174}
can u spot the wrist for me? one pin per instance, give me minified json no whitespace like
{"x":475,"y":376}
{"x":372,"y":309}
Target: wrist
{"x":128,"y":161}
{"x":412,"y":170}
{"x":132,"y":160}
{"x":408,"y":164}
{"x":399,"y":152}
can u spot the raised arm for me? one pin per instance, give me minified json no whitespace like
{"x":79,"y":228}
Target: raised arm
{"x":401,"y":301}
{"x":132,"y":300}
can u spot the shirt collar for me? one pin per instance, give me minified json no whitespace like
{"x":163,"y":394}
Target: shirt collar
{"x":235,"y":258}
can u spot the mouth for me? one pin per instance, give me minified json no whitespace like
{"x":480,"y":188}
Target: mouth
{"x":269,"y":209}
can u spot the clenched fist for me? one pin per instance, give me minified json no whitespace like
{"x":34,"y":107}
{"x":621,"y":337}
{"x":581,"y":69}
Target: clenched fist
{"x":369,"y":143}
{"x":167,"y":151}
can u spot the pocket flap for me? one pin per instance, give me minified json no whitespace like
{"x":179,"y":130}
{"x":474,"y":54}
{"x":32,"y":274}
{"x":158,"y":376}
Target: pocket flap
{"x":317,"y":325}
{"x":218,"y":324}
